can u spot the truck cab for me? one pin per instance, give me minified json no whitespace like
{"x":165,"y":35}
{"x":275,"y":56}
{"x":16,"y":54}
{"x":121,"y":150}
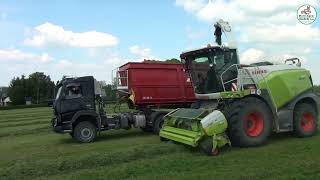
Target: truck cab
{"x":76,"y":100}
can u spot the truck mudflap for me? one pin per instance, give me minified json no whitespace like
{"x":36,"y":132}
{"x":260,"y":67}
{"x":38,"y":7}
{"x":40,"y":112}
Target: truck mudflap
{"x":201,"y":128}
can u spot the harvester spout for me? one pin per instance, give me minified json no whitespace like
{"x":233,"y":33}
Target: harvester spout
{"x":224,"y":27}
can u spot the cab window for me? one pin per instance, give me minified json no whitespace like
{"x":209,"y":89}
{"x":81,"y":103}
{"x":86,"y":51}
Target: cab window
{"x":73,"y":92}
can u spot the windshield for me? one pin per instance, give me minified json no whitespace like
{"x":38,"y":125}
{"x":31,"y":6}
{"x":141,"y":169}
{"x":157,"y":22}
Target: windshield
{"x":59,"y":92}
{"x":206,"y":69}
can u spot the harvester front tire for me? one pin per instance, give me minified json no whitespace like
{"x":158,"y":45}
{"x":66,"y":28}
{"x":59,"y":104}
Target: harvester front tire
{"x":249,"y":122}
{"x":85,"y":132}
{"x":305,"y":120}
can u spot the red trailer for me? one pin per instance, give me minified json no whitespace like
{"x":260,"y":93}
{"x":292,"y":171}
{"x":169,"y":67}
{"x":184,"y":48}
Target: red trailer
{"x":150,"y":87}
{"x":155,"y":84}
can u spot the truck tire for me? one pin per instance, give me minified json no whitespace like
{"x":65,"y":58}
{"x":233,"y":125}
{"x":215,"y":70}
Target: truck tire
{"x":249,"y":122}
{"x":85,"y":132}
{"x":157,"y":123}
{"x":304,"y":120}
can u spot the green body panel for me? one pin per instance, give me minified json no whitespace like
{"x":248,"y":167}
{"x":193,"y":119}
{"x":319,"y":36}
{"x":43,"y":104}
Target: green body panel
{"x":286,"y":84}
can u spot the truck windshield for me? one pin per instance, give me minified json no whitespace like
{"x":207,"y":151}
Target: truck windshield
{"x":59,"y":92}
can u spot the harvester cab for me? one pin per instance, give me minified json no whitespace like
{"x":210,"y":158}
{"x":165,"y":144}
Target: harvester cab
{"x":241,"y":104}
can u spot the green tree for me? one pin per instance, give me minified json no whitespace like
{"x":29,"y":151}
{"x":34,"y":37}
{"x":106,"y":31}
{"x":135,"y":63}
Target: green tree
{"x":110,"y":93}
{"x":38,"y":86}
{"x":16,"y":91}
{"x":173,"y":60}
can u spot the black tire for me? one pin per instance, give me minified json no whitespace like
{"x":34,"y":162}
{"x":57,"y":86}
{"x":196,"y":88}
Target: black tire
{"x":85,"y":132}
{"x":206,"y":146}
{"x":305,"y":120}
{"x":164,"y":139}
{"x":249,"y":122}
{"x":71,"y":134}
{"x":157,"y":123}
{"x":147,"y":129}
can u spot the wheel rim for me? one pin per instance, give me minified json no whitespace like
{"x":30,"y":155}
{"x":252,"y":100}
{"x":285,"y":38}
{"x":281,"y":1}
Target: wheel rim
{"x":254,"y":124}
{"x":307,"y":122}
{"x":86,"y":133}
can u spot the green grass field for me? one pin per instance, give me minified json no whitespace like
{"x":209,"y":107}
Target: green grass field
{"x":30,"y":150}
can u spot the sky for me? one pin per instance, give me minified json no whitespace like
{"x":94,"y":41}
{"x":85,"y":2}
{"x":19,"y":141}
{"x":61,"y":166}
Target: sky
{"x":78,"y":38}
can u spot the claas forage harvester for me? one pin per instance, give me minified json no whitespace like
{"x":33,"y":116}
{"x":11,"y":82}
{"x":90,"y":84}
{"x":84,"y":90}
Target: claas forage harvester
{"x":240,"y":104}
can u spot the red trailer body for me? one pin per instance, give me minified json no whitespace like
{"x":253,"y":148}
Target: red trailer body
{"x":156,"y":84}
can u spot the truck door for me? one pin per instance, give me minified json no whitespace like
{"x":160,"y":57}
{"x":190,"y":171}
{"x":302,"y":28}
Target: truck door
{"x":73,"y":100}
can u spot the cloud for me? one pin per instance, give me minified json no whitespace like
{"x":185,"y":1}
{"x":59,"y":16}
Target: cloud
{"x":48,"y":34}
{"x":251,"y":56}
{"x":280,"y":33}
{"x":191,"y":5}
{"x":16,"y":62}
{"x":258,"y":21}
{"x":141,"y":53}
{"x":16,"y":55}
{"x":137,"y":50}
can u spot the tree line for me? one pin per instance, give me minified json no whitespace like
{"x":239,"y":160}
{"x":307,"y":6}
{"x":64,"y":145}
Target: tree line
{"x":37,"y":87}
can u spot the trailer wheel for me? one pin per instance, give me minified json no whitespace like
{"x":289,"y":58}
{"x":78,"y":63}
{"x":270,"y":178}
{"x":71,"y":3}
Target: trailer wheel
{"x":85,"y":132}
{"x":157,"y":123}
{"x":305,"y":120}
{"x":249,"y":122}
{"x":147,"y":129}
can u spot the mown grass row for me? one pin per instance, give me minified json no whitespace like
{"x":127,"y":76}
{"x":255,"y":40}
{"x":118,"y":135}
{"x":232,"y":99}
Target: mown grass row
{"x":30,"y":150}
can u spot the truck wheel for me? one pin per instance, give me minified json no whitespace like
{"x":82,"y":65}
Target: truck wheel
{"x":85,"y":132}
{"x":249,"y":122}
{"x":157,"y":123}
{"x":305,"y":120}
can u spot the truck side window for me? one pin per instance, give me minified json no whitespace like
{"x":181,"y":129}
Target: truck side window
{"x":73,"y":92}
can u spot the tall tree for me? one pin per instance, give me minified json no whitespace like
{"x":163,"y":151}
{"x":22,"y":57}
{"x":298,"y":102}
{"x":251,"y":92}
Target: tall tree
{"x":38,"y":86}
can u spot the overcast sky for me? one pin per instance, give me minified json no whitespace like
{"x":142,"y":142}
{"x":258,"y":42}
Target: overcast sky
{"x":93,"y":37}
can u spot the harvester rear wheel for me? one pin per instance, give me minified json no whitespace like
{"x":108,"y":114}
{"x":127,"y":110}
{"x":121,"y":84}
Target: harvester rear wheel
{"x":305,"y":120}
{"x":249,"y":122}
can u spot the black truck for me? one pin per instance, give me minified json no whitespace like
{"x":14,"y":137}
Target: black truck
{"x":79,"y":111}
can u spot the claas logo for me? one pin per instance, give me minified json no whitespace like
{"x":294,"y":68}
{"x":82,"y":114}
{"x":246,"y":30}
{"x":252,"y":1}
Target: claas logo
{"x":260,"y":71}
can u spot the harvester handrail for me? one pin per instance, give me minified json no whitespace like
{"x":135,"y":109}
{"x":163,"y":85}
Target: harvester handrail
{"x":223,"y":83}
